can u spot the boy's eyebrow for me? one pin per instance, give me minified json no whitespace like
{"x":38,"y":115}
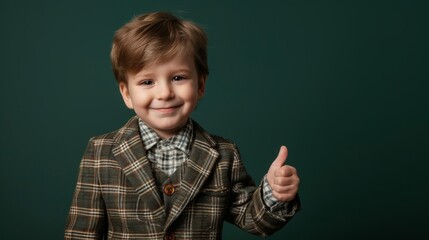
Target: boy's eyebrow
{"x":149,"y":73}
{"x":144,"y":74}
{"x":182,"y":69}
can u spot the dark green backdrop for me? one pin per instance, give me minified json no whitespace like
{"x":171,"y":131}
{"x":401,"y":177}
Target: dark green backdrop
{"x":344,"y":84}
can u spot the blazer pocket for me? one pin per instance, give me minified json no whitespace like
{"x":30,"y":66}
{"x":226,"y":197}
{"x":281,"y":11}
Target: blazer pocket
{"x":215,"y":192}
{"x":209,"y":209}
{"x":149,"y":213}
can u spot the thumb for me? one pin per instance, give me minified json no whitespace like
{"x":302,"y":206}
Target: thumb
{"x":281,"y":158}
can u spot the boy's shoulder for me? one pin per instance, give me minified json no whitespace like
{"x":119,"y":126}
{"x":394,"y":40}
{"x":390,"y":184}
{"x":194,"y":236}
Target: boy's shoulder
{"x":214,"y":140}
{"x":130,"y":133}
{"x":129,"y":130}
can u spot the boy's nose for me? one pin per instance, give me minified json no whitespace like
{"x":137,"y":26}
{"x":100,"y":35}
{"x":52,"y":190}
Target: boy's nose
{"x":165,"y":91}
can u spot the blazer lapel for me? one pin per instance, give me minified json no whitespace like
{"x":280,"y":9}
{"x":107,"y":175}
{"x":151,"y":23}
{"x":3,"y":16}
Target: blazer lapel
{"x":201,"y":161}
{"x":131,"y":156}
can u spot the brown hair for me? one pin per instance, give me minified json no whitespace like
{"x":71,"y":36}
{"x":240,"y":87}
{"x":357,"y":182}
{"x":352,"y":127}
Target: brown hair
{"x":156,"y":37}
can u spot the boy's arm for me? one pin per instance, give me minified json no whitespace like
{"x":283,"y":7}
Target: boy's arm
{"x":87,"y":216}
{"x":247,"y":208}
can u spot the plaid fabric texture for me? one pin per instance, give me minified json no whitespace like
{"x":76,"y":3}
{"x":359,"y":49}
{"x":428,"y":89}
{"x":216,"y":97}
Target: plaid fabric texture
{"x":117,"y":197}
{"x":167,"y":154}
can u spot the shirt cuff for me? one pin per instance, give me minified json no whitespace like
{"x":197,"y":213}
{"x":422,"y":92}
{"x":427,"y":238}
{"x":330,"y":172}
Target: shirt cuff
{"x":270,"y":201}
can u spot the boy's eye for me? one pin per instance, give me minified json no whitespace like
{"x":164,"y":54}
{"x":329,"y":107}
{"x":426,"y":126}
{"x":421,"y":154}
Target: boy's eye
{"x":146,"y":82}
{"x":178,"y":78}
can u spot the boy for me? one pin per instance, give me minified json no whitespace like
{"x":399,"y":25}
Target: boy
{"x":161,"y":176}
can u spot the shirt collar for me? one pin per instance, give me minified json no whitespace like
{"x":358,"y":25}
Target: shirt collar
{"x":182,"y":140}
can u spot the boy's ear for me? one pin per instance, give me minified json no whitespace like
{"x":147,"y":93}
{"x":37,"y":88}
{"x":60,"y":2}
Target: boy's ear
{"x":201,"y":87}
{"x":123,"y":88}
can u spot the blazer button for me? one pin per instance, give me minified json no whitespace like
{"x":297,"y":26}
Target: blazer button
{"x":169,"y":236}
{"x":169,"y":189}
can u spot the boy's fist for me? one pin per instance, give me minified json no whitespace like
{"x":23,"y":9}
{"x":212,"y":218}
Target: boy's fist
{"x":283,"y":179}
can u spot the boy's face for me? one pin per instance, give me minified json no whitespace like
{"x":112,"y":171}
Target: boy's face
{"x":164,"y":94}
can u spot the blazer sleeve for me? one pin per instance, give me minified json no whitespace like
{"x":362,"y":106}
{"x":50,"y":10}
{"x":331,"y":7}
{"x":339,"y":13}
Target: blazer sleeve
{"x":247,"y":208}
{"x":87,"y":215}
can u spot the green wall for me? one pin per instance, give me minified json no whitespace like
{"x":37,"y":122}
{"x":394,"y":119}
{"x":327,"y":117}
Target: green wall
{"x":344,"y":84}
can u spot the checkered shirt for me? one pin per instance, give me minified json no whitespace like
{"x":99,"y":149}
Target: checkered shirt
{"x":169,"y":154}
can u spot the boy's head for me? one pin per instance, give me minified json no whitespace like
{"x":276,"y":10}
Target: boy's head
{"x":160,"y":63}
{"x":154,"y":38}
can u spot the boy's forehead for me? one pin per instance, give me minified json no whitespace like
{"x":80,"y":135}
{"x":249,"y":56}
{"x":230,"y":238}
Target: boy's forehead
{"x":176,"y":62}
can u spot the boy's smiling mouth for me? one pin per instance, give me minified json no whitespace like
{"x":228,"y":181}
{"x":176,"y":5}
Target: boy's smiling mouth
{"x":168,"y":109}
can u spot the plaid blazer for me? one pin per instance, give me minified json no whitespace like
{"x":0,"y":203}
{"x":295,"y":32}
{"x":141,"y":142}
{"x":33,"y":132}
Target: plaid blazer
{"x":116,"y":196}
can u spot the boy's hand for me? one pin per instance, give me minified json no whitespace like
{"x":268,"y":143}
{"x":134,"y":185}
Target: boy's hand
{"x":283,"y":179}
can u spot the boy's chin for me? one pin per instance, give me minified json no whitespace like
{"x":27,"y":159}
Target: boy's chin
{"x":167,"y":128}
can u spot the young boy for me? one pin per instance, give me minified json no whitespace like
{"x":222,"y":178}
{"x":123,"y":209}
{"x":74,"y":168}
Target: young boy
{"x":161,"y":176}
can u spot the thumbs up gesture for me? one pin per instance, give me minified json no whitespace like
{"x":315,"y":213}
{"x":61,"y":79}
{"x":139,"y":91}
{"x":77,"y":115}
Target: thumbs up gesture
{"x":283,"y":179}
